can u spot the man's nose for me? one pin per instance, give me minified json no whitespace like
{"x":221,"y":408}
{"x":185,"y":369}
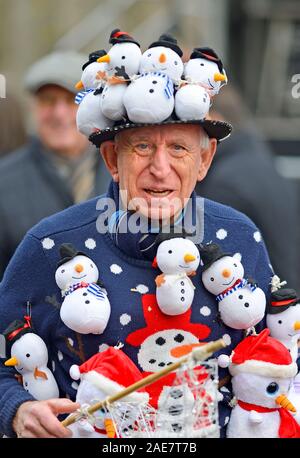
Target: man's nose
{"x":61,"y":107}
{"x":160,"y":162}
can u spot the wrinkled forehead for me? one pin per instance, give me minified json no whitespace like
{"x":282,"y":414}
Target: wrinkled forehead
{"x":189,"y":132}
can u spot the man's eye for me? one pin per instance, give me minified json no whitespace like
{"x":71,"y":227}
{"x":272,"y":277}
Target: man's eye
{"x":143,"y":146}
{"x":178,"y":147}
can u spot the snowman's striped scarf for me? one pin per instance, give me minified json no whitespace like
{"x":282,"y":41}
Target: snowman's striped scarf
{"x":92,"y":288}
{"x":80,"y":95}
{"x":241,"y":284}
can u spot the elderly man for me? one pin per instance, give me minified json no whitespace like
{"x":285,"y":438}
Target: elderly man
{"x":154,"y":171}
{"x":58,"y":167}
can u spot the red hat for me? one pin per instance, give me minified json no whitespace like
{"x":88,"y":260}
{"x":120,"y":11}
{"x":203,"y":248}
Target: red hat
{"x":263,"y":355}
{"x":111,"y":371}
{"x":157,"y":321}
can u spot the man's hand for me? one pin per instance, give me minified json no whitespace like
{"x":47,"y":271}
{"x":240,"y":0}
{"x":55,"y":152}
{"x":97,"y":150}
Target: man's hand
{"x":38,"y":418}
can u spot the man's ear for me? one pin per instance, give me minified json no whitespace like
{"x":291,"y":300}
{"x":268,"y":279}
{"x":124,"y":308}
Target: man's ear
{"x":109,"y":155}
{"x":207,"y":155}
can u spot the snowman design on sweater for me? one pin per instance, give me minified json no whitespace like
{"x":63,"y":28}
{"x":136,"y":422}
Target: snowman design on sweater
{"x":163,"y":341}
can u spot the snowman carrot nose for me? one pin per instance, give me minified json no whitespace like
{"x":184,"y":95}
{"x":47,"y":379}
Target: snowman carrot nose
{"x":12,"y":362}
{"x":284,"y":402}
{"x":189,"y":257}
{"x":219,"y":77}
{"x":105,"y":58}
{"x":79,"y":268}
{"x":226,"y":273}
{"x":162,"y":58}
{"x":79,"y":85}
{"x":297,"y":325}
{"x":183,"y":350}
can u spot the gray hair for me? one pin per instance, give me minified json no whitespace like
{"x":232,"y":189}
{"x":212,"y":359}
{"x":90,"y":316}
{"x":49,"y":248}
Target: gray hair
{"x":204,"y":139}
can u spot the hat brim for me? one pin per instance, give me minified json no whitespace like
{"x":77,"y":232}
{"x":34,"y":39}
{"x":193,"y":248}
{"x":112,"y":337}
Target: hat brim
{"x":219,"y":130}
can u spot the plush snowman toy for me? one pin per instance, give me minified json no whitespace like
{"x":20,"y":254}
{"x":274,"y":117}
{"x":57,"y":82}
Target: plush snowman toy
{"x":93,"y":72}
{"x":149,"y":98}
{"x":205,"y":68}
{"x":85,"y":308}
{"x":178,"y":258}
{"x":204,"y":74}
{"x":163,"y":56}
{"x":123,"y":60}
{"x":241,"y":303}
{"x":29,"y":355}
{"x":89,"y":117}
{"x":283,"y":318}
{"x":262,"y":370}
{"x":103,"y":375}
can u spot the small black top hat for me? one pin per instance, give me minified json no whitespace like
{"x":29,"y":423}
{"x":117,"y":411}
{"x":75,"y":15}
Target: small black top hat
{"x":208,"y":54}
{"x":167,"y":41}
{"x":281,"y":300}
{"x":210,"y":253}
{"x":17,"y":329}
{"x":117,"y":36}
{"x":93,"y":56}
{"x":67,"y":252}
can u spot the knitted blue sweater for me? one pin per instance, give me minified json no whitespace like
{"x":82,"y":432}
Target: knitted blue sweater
{"x":122,"y":267}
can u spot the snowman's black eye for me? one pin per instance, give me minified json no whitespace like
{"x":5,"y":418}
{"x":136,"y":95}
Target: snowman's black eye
{"x":27,"y":355}
{"x":279,"y":322}
{"x":160,"y":341}
{"x":272,"y":388}
{"x":62,"y":271}
{"x":179,"y":338}
{"x":149,"y":54}
{"x":202,"y":64}
{"x":235,"y":265}
{"x":175,"y":62}
{"x":212,"y":279}
{"x":92,"y":266}
{"x":123,"y":57}
{"x":170,"y":251}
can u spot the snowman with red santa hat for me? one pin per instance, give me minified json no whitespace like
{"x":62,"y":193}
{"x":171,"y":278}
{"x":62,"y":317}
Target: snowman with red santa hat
{"x":262,"y":371}
{"x":101,"y":376}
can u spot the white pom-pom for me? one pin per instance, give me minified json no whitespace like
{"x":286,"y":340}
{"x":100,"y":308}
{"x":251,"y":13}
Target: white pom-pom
{"x":223,"y":361}
{"x":74,"y":372}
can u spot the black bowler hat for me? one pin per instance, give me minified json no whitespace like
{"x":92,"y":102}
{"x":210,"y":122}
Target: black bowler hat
{"x":211,"y":253}
{"x":208,"y":54}
{"x":213,"y":128}
{"x":281,"y":300}
{"x":93,"y":56}
{"x":17,"y":329}
{"x":167,"y":41}
{"x":68,"y":252}
{"x":117,"y":36}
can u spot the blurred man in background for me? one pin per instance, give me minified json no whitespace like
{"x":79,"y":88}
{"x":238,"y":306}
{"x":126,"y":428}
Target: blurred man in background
{"x":12,"y":128}
{"x":244,"y":177}
{"x":59,"y":167}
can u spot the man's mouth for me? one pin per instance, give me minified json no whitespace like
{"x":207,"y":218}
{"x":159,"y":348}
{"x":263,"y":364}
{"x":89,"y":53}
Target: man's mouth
{"x":158,"y":192}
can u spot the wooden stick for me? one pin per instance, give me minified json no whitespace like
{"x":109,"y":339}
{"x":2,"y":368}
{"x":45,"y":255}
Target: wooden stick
{"x":198,"y":353}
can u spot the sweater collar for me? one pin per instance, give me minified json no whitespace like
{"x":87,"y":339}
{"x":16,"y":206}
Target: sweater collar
{"x":138,"y":240}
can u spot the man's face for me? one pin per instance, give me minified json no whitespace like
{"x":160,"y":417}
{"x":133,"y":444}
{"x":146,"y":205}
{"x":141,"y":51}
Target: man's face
{"x":55,"y":113}
{"x":158,"y":166}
